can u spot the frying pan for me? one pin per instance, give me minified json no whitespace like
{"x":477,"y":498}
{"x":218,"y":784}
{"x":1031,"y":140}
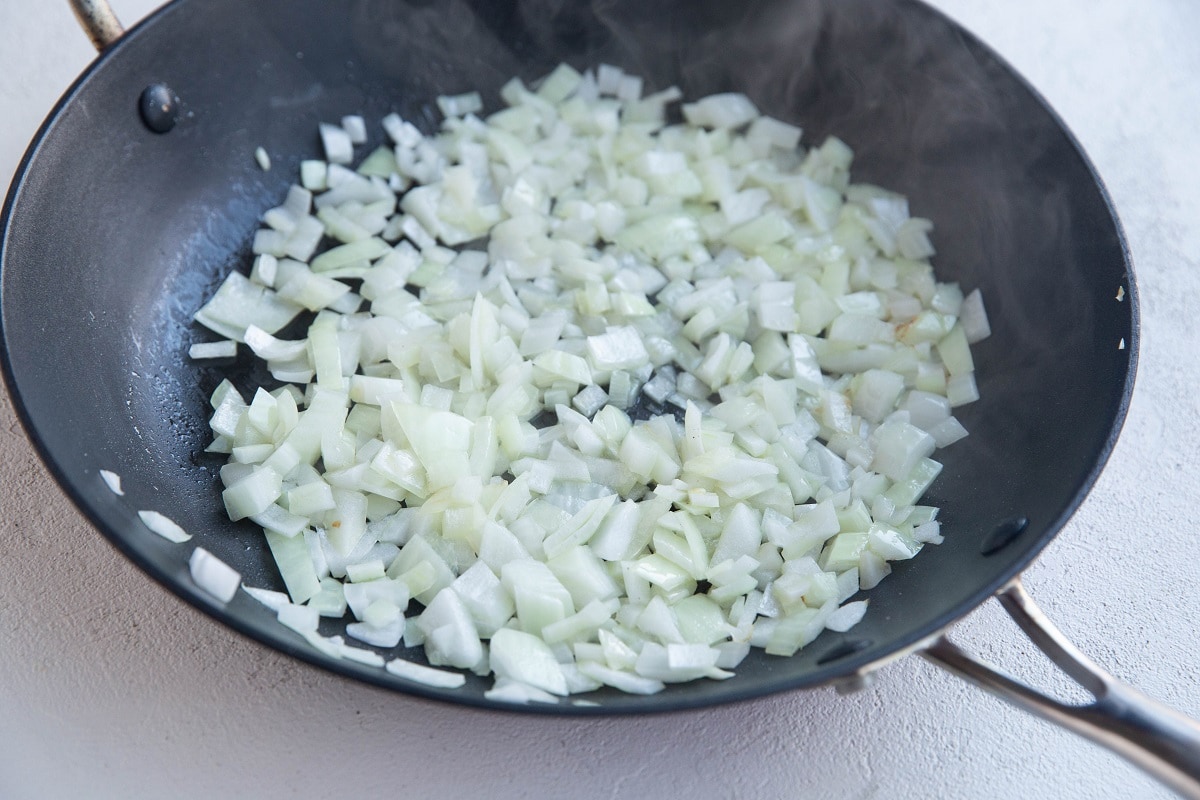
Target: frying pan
{"x":122,"y":220}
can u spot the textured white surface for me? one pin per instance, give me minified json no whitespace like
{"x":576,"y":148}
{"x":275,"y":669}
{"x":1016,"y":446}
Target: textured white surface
{"x":110,"y":687}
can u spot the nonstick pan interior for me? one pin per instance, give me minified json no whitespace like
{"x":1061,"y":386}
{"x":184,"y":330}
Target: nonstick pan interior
{"x":114,"y":236}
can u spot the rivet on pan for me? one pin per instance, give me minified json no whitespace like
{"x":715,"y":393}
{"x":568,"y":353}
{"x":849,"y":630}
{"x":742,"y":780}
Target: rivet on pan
{"x":844,"y":648}
{"x":1003,"y":534}
{"x":159,"y":107}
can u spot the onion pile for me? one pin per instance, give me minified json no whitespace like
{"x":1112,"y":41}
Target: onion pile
{"x":587,"y":398}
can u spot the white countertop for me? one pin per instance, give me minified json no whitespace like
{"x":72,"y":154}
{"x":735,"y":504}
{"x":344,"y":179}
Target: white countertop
{"x":112,"y":687}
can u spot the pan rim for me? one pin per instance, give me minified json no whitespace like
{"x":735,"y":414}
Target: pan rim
{"x":668,"y":702}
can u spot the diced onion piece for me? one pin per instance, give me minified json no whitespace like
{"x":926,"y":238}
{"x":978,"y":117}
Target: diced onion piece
{"x":314,"y":175}
{"x":847,"y":616}
{"x":164,"y":526}
{"x":271,"y":599}
{"x":113,"y":481}
{"x":252,"y":494}
{"x":900,"y":446}
{"x":239,"y":304}
{"x":559,"y":84}
{"x":619,"y":348}
{"x":961,"y":389}
{"x":729,"y":110}
{"x":618,"y":679}
{"x":302,"y":619}
{"x":522,"y":657}
{"x":974,"y":318}
{"x":207,"y":350}
{"x":386,"y":635}
{"x":355,"y":128}
{"x":339,"y":148}
{"x":295,"y":565}
{"x":277,"y":519}
{"x":213,"y":575}
{"x":360,"y":655}
{"x":459,"y":105}
{"x":774,"y":133}
{"x":418,"y":673}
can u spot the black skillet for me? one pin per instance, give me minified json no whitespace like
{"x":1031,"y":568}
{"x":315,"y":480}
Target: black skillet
{"x":114,"y":234}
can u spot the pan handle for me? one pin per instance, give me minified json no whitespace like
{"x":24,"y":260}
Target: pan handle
{"x":1161,"y":741}
{"x":98,"y":21}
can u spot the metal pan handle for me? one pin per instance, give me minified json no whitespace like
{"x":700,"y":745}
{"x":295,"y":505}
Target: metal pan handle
{"x":1161,"y":741}
{"x":98,"y":21}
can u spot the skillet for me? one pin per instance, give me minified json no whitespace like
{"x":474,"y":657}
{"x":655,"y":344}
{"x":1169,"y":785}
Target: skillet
{"x":114,"y":233}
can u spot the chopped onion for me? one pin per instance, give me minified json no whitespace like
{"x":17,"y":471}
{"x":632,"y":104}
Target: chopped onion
{"x":302,"y":619}
{"x":206,"y":350}
{"x":164,"y":527}
{"x":460,"y":105}
{"x":339,"y":147}
{"x":613,"y":401}
{"x":974,"y":317}
{"x":213,"y":575}
{"x":846,"y":617}
{"x":270,"y":599}
{"x":356,"y":128}
{"x":113,"y":481}
{"x":438,"y":678}
{"x":730,"y":110}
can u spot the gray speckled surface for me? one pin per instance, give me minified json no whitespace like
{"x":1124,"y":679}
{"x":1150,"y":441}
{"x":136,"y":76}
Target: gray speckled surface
{"x":113,"y":688}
